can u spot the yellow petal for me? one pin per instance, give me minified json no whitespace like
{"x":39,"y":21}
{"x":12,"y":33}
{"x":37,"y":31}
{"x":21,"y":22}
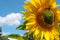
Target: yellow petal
{"x":51,"y":36}
{"x":42,"y":34}
{"x":47,"y":35}
{"x":52,"y":2}
{"x":29,"y":7}
{"x":29,"y":17}
{"x":33,"y":29}
{"x":58,"y":13}
{"x":28,"y":13}
{"x":36,"y":32}
{"x":36,"y":3}
{"x":55,"y":33}
{"x":47,"y":2}
{"x":53,"y":5}
{"x":31,"y":23}
{"x":28,"y":27}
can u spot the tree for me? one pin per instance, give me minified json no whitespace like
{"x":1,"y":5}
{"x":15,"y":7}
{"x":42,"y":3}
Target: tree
{"x":1,"y":37}
{"x":0,"y":31}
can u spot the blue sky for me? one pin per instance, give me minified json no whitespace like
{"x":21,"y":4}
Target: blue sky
{"x":9,"y":7}
{"x":9,"y":10}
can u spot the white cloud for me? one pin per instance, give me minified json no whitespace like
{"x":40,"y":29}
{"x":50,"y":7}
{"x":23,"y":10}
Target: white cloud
{"x":28,"y":0}
{"x":11,"y":19}
{"x":12,"y":39}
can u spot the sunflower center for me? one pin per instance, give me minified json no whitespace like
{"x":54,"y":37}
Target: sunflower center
{"x":48,"y":16}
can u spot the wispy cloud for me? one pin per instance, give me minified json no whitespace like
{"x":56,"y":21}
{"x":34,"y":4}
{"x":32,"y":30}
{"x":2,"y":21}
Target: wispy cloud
{"x":5,"y":33}
{"x":11,"y":19}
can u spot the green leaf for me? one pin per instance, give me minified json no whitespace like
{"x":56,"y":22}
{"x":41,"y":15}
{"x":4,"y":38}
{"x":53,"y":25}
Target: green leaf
{"x":25,"y":22}
{"x":13,"y":36}
{"x":22,"y":27}
{"x":21,"y":38}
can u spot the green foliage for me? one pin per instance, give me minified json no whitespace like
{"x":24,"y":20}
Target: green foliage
{"x":28,"y":36}
{"x":13,"y":36}
{"x":22,"y":27}
{"x":18,"y":37}
{"x":3,"y":38}
{"x":21,"y":38}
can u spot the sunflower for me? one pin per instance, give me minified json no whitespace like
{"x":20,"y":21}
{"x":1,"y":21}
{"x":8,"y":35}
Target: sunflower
{"x":42,"y":17}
